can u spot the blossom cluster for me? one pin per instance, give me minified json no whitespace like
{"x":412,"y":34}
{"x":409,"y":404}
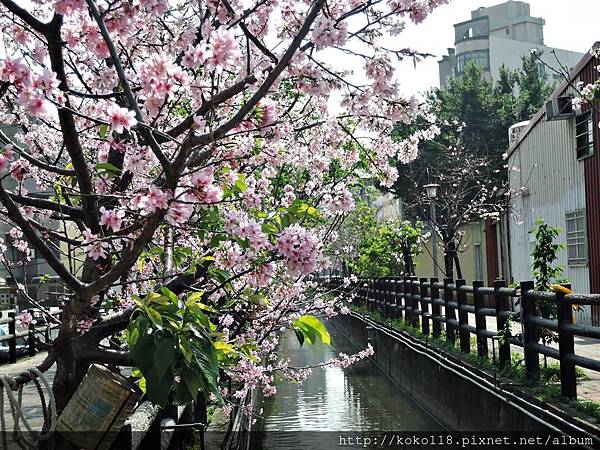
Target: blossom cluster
{"x":186,"y":139}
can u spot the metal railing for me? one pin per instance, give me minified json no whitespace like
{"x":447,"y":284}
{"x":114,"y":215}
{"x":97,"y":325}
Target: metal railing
{"x":419,"y":302}
{"x":32,"y":335}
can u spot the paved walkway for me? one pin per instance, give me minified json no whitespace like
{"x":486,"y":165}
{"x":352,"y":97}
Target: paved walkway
{"x":588,"y":347}
{"x":32,"y":408}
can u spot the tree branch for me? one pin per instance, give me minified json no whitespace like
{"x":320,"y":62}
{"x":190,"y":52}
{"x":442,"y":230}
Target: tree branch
{"x":204,"y":139}
{"x":42,"y":165}
{"x":25,"y":16}
{"x":162,"y":158}
{"x":15,"y":214}
{"x":69,"y":130}
{"x":106,"y":356}
{"x":47,"y":204}
{"x":27,"y":376}
{"x":216,"y":100}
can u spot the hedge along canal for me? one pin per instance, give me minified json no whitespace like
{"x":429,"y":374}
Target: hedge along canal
{"x":357,"y":399}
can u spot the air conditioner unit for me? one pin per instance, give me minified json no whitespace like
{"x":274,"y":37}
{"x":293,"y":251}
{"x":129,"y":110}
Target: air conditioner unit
{"x":559,"y":108}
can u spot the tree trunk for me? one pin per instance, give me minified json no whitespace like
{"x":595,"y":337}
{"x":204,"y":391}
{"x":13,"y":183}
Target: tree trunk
{"x":70,"y":371}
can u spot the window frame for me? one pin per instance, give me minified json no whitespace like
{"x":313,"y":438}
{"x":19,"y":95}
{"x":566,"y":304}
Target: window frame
{"x":475,"y":56}
{"x":576,"y":238}
{"x":584,"y":149}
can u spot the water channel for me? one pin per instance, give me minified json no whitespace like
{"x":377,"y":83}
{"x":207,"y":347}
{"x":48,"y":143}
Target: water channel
{"x":359,"y":398}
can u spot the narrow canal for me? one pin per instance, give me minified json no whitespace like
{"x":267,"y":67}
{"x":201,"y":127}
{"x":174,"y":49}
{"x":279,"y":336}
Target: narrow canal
{"x":359,"y":398}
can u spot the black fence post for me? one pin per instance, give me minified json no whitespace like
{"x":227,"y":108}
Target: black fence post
{"x":480,"y":321}
{"x":12,"y":342}
{"x":463,"y":317}
{"x":566,"y":346}
{"x":436,"y":309}
{"x":424,"y":306}
{"x":381,"y":297}
{"x":530,"y":332}
{"x":414,"y":300}
{"x":31,"y":335}
{"x":376,"y":293}
{"x":396,"y":299}
{"x":449,"y":311}
{"x":407,"y":294}
{"x":201,"y":416}
{"x":501,"y":302}
{"x":388,"y":297}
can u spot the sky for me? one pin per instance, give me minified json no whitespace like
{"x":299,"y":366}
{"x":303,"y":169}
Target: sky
{"x":570,"y":25}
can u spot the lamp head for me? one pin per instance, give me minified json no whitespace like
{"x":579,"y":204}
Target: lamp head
{"x":431,"y":190}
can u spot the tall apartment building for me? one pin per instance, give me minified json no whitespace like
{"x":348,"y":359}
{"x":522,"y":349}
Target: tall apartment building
{"x":498,"y":35}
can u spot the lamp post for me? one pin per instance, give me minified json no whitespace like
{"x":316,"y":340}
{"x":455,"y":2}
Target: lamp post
{"x":431,"y":191}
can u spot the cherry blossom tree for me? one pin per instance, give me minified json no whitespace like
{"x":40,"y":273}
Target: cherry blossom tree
{"x":195,"y":169}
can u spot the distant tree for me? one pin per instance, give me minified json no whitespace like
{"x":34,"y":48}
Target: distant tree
{"x":372,"y":247}
{"x":473,"y":113}
{"x":534,"y":87}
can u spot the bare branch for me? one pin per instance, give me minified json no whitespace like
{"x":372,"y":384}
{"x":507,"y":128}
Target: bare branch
{"x":15,"y":214}
{"x":25,"y":16}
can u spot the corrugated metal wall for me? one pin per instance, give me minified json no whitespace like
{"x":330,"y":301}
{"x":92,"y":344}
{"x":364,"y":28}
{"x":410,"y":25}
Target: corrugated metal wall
{"x":547,"y":182}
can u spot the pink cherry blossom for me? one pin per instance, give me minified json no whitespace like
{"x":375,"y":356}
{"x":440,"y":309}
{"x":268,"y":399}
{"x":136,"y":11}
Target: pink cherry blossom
{"x":25,"y":319}
{"x":94,"y":248}
{"x":300,"y":247}
{"x":179,"y":213}
{"x":223,"y":50}
{"x":111,"y":218}
{"x":120,"y":119}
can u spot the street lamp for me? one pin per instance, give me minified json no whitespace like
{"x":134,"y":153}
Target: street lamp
{"x":431,"y":191}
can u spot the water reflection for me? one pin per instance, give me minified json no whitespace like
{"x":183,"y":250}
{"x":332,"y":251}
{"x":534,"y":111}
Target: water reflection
{"x":358,"y":398}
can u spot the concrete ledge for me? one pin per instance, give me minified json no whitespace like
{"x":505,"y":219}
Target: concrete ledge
{"x":459,"y":400}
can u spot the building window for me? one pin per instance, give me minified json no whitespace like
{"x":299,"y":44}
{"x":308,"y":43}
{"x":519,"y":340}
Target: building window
{"x":576,"y":238}
{"x":584,"y":133}
{"x":481,"y":58}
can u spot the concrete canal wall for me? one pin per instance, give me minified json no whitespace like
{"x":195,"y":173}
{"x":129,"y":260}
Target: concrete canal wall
{"x":455,"y":400}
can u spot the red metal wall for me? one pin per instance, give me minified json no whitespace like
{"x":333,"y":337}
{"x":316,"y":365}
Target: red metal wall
{"x":589,"y":74}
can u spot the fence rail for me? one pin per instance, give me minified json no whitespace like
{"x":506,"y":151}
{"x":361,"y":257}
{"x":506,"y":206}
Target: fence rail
{"x":33,"y":334}
{"x":419,"y":302}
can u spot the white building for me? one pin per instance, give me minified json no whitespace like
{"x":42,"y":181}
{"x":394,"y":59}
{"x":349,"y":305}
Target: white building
{"x":501,"y":35}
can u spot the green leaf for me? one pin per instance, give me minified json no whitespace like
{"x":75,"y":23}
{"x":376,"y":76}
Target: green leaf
{"x":193,"y":381}
{"x":155,"y":317}
{"x":155,"y":297}
{"x":186,"y":350}
{"x":206,"y":356}
{"x":142,"y":353}
{"x":132,"y":337}
{"x":108,"y":168}
{"x":309,"y":333}
{"x":299,"y":336}
{"x":269,"y":228}
{"x":240,"y":183}
{"x":165,"y":353}
{"x":223,"y":347}
{"x":158,"y":388}
{"x":169,"y":294}
{"x":313,"y":327}
{"x":103,"y":131}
